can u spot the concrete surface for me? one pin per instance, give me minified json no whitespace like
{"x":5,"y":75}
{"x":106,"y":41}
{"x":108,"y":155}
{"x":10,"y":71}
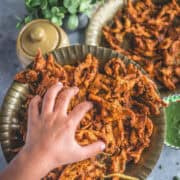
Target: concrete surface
{"x":9,"y":65}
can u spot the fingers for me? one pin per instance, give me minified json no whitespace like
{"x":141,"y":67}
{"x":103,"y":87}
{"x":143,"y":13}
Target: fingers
{"x":33,"y":110}
{"x":79,"y":111}
{"x":92,"y":150}
{"x":50,"y":98}
{"x":64,"y":99}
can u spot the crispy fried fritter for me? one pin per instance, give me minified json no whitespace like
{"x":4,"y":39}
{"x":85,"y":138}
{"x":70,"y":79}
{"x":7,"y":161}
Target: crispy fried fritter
{"x":124,"y":99}
{"x":149,"y":34}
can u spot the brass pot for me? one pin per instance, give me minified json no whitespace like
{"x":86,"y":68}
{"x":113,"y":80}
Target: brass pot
{"x":39,"y":34}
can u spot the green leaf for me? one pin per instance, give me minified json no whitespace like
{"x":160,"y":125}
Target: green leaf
{"x":88,"y":12}
{"x":60,"y":22}
{"x":44,"y":4}
{"x":72,"y":10}
{"x":72,"y":22}
{"x":19,"y":25}
{"x":35,"y":3}
{"x":71,"y":5}
{"x":62,"y":9}
{"x":67,"y":3}
{"x":28,"y":19}
{"x":54,"y":10}
{"x":53,"y":2}
{"x":54,"y":20}
{"x":84,"y":5}
{"x":93,"y":1}
{"x":27,"y":2}
{"x":47,"y":13}
{"x":29,"y":9}
{"x":60,"y":15}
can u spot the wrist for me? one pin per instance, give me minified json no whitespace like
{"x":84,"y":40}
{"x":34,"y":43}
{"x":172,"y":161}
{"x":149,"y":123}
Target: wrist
{"x":36,"y":160}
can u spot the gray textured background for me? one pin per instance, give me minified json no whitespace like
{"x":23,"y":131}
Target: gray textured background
{"x":9,"y":65}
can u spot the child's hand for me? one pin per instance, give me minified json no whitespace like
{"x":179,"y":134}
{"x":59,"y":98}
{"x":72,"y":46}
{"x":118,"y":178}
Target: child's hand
{"x":51,"y":131}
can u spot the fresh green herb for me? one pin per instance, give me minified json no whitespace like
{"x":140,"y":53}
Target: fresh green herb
{"x":56,"y":10}
{"x":72,"y":22}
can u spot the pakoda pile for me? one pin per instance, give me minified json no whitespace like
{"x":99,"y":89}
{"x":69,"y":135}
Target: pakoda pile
{"x":149,"y":33}
{"x":123,"y":98}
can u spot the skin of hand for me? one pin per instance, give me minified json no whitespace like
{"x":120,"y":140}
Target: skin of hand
{"x":50,"y":140}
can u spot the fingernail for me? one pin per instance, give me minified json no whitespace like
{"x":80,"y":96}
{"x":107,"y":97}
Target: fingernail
{"x":103,"y":146}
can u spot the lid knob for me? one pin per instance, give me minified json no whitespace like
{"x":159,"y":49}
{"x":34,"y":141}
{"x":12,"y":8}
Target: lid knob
{"x":37,"y":34}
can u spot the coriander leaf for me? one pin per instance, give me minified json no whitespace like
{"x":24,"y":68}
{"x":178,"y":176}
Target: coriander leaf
{"x":35,"y":3}
{"x":44,"y":4}
{"x":27,"y":2}
{"x":93,"y":1}
{"x":54,"y":10}
{"x":88,"y":12}
{"x":72,"y":22}
{"x":72,"y":4}
{"x":60,"y":15}
{"x":62,"y":9}
{"x":47,"y":13}
{"x":28,"y":19}
{"x":72,"y":10}
{"x":55,"y":20}
{"x":85,"y":4}
{"x":60,"y":22}
{"x":18,"y":25}
{"x":67,"y":3}
{"x":53,"y":2}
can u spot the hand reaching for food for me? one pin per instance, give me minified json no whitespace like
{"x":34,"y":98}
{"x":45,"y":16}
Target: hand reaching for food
{"x":50,"y":140}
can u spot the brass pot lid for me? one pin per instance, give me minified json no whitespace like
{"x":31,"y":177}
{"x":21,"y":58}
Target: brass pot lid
{"x":39,"y":34}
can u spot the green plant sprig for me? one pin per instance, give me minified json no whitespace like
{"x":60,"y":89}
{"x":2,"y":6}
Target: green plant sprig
{"x":56,"y":10}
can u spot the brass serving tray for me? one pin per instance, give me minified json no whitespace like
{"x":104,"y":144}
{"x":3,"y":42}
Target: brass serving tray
{"x":16,"y":95}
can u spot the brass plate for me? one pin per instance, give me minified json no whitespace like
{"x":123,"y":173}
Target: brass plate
{"x":70,"y":55}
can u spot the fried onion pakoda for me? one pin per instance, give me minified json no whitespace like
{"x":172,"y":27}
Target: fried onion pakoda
{"x":149,"y":34}
{"x":124,"y":99}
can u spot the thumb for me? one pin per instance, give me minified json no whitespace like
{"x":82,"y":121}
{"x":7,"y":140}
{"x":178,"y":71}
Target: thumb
{"x":92,"y":149}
